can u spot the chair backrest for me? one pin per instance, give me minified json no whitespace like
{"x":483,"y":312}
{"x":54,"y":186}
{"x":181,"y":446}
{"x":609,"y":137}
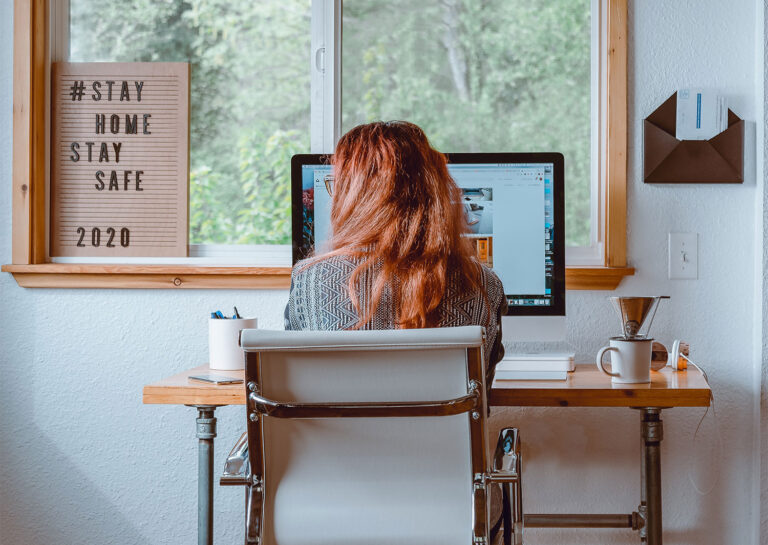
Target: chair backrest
{"x":373,"y":479}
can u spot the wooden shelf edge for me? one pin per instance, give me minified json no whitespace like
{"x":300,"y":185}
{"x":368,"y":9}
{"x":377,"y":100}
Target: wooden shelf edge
{"x":59,"y":275}
{"x":595,"y":278}
{"x":67,"y":268}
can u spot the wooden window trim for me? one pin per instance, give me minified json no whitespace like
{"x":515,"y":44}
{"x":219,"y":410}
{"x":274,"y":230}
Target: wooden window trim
{"x":29,"y":223}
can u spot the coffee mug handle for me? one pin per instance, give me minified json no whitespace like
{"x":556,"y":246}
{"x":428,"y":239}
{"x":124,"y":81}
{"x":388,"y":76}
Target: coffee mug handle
{"x":599,"y":359}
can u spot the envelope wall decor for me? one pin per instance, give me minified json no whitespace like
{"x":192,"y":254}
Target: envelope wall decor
{"x":669,"y":160}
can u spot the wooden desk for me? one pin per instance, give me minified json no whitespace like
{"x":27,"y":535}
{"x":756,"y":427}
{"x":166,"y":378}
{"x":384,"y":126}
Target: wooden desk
{"x":585,"y":387}
{"x":179,"y":390}
{"x":588,"y":387}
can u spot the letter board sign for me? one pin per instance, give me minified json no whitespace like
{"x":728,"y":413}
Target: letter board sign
{"x":120,"y":159}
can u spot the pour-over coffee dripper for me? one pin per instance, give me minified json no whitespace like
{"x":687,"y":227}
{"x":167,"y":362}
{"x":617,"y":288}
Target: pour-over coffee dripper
{"x":631,"y":352}
{"x":634,"y":312}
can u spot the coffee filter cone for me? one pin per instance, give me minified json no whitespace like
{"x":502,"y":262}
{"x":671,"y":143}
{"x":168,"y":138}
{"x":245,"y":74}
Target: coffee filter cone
{"x":632,"y":312}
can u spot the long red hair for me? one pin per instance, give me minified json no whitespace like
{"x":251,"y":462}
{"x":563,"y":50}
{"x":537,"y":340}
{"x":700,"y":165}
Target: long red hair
{"x":395,"y":203}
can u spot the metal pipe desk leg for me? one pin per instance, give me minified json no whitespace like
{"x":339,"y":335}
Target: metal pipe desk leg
{"x":652,"y":433}
{"x":206,"y":431}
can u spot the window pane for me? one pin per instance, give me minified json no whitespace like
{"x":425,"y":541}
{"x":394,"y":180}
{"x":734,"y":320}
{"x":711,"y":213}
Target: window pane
{"x":249,"y":98}
{"x":493,"y":76}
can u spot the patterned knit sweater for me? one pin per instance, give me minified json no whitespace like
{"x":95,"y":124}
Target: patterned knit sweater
{"x":319,"y":300}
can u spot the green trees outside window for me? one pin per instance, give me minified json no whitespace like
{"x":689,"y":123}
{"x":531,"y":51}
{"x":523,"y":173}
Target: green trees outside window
{"x":478,"y":75}
{"x":249,"y":99}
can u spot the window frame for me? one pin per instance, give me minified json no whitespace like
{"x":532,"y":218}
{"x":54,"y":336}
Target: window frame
{"x":601,"y":268}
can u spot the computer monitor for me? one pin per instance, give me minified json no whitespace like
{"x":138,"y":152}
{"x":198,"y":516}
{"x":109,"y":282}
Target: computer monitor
{"x":514,"y":206}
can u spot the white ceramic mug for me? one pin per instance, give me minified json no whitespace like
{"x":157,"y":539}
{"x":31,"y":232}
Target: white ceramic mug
{"x":224,"y":352}
{"x":630,"y":360}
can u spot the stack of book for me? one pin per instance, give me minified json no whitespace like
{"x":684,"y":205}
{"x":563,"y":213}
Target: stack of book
{"x":544,"y":366}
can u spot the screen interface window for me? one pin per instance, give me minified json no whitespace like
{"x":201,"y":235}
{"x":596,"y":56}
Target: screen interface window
{"x":509,"y":210}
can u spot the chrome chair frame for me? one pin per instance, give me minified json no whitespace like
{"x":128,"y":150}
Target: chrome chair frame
{"x":245,"y":464}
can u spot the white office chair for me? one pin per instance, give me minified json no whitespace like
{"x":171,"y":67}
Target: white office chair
{"x":370,"y":437}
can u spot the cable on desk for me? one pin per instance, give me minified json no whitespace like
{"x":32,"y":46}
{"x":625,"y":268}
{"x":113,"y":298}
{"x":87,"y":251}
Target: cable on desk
{"x":719,"y":452}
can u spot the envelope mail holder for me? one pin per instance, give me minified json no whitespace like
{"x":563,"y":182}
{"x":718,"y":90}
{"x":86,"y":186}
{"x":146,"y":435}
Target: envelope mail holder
{"x":719,"y":160}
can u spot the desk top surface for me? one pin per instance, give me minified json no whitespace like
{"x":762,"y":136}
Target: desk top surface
{"x":585,"y":387}
{"x":588,"y":387}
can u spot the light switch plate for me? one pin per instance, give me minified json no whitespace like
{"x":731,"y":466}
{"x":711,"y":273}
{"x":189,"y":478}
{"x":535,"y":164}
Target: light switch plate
{"x":683,"y":255}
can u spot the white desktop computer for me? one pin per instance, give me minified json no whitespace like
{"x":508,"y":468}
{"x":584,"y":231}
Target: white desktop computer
{"x":514,"y":206}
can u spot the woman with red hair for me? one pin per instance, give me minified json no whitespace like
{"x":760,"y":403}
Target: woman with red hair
{"x":397,"y":257}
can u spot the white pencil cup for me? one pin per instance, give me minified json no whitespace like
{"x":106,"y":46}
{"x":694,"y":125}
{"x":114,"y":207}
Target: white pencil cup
{"x":224,"y":352}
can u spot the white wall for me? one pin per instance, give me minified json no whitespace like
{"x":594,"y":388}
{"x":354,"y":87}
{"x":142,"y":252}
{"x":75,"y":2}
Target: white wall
{"x":761,"y":250}
{"x":83,"y":461}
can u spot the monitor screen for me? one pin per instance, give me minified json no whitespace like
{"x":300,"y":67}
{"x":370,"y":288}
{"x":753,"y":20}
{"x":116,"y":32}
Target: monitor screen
{"x":514,"y":208}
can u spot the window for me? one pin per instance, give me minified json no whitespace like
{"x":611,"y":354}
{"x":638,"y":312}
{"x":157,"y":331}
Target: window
{"x":249,"y":101}
{"x":267,"y":83}
{"x":510,"y":76}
